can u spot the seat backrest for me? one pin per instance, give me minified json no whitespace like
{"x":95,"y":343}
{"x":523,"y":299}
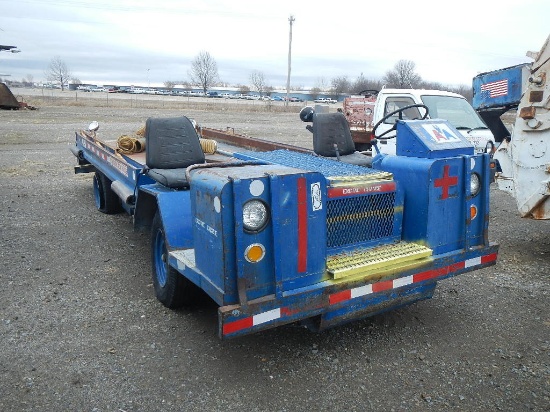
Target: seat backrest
{"x":330,"y":129}
{"x":172,"y":143}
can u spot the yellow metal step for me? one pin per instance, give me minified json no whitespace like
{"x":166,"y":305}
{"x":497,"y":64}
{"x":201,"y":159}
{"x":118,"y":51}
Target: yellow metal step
{"x":350,"y":181}
{"x":365,"y":262}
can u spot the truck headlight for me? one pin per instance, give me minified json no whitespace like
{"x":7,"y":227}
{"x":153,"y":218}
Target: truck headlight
{"x":255,"y":215}
{"x":475,"y":184}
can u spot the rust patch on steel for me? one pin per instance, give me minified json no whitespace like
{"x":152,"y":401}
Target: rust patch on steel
{"x":536,"y":96}
{"x":248,"y":142}
{"x":538,"y":212}
{"x":527,"y":113}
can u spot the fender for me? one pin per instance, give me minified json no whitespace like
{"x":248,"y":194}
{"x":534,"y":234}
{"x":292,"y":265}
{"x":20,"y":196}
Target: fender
{"x":175,"y":212}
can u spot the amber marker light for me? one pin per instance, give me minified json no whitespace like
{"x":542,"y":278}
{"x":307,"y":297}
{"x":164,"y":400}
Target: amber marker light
{"x":473,"y":212}
{"x":254,"y":253}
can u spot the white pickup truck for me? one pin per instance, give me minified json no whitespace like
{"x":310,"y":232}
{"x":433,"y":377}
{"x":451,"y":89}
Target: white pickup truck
{"x":364,"y":111}
{"x":325,"y":100}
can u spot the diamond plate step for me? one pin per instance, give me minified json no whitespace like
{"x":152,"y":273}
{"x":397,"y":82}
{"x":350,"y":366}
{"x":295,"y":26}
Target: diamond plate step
{"x":398,"y":256}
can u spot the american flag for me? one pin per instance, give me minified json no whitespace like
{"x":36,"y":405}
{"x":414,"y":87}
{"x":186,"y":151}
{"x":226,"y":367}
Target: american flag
{"x":495,"y":89}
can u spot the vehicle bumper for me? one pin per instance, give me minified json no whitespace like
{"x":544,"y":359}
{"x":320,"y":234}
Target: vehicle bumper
{"x":328,"y":304}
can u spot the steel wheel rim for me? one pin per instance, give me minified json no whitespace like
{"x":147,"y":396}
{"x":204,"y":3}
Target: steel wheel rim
{"x":160,"y":264}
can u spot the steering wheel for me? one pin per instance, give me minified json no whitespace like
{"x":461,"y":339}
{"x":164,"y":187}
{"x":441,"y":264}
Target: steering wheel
{"x":369,"y":92}
{"x":400,"y":111}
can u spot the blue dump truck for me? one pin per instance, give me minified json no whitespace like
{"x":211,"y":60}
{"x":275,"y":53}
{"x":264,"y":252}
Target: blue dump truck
{"x":277,"y":234}
{"x":497,"y":92}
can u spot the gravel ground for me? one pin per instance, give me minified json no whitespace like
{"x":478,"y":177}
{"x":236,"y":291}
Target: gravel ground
{"x":81,"y":330}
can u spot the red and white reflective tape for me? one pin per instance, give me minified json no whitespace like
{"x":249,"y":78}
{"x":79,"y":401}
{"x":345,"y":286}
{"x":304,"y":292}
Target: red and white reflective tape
{"x":408,"y":280}
{"x":250,"y":321}
{"x":94,"y":150}
{"x":278,"y":313}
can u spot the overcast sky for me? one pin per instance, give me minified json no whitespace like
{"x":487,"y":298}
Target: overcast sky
{"x":144,"y":42}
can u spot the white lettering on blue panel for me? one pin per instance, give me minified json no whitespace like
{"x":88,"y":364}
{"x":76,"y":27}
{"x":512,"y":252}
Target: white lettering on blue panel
{"x":121,"y":167}
{"x":208,"y":228}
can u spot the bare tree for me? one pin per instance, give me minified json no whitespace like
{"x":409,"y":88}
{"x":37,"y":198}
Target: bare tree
{"x":204,"y":71}
{"x":403,"y":76}
{"x":27,"y":81}
{"x":461,"y":89}
{"x":257,"y":79}
{"x":315,"y":92}
{"x":362,"y":83}
{"x":465,"y":91}
{"x":321,"y":84}
{"x":185,"y":84}
{"x":431,"y":85}
{"x":58,"y":72}
{"x":169,"y":84}
{"x":244,"y":89}
{"x":340,"y":85}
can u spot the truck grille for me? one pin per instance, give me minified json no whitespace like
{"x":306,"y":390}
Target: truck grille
{"x":351,"y":220}
{"x":360,"y":219}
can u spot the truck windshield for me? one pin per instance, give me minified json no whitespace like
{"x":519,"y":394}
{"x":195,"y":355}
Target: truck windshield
{"x":455,"y":110}
{"x":394,"y":103}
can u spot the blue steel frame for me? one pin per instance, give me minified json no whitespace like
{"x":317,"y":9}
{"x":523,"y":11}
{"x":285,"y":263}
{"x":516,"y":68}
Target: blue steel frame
{"x":105,"y":160}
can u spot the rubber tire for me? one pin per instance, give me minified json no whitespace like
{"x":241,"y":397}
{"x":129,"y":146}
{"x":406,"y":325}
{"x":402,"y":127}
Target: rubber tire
{"x":106,"y":201}
{"x":172,"y":289}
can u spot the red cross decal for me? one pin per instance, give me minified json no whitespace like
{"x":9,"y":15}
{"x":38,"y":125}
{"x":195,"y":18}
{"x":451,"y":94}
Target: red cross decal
{"x":446,"y":182}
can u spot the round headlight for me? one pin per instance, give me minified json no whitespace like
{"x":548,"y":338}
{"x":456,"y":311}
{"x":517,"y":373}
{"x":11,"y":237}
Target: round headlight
{"x":254,"y":215}
{"x":475,"y":184}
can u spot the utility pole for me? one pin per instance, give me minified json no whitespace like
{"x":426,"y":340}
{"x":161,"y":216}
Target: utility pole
{"x":291,"y":20}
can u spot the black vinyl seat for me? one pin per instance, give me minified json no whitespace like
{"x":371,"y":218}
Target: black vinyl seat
{"x":172,"y":145}
{"x":332,"y":138}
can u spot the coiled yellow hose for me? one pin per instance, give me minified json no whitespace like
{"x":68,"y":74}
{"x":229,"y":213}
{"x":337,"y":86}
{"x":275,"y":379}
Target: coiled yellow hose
{"x":128,"y":144}
{"x":208,"y":146}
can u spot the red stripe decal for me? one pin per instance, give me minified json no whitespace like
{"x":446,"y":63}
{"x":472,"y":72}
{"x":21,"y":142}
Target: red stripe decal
{"x":339,"y":297}
{"x":456,"y":266}
{"x":302,"y":225}
{"x":431,"y":274}
{"x":288,"y":312}
{"x":489,"y":258}
{"x":238,"y":325}
{"x":380,"y":286}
